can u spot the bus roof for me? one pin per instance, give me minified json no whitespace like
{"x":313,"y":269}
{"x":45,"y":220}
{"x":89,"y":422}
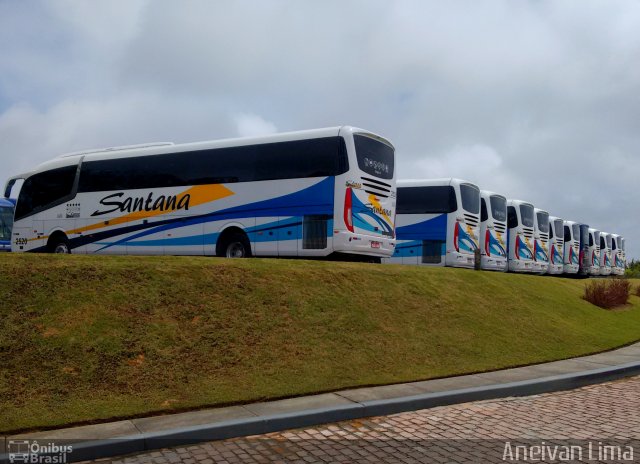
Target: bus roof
{"x":433,"y":182}
{"x":489,"y":194}
{"x":159,"y":148}
{"x":518,"y":202}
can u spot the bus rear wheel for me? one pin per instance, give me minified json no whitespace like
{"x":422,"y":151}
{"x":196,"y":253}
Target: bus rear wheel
{"x":235,"y":245}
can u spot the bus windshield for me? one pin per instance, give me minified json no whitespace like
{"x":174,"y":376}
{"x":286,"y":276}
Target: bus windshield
{"x":374,"y":157}
{"x":470,"y":198}
{"x":576,"y":232}
{"x":426,"y":200}
{"x":498,"y":208}
{"x":558,"y":225}
{"x":543,"y":222}
{"x":6,"y":222}
{"x":526,"y":214}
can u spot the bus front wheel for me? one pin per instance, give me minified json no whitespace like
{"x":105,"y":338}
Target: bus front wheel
{"x":234,"y":245}
{"x":59,"y":244}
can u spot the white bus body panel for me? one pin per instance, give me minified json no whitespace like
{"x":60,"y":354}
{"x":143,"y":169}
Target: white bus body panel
{"x":541,"y":242}
{"x":521,"y":241}
{"x":593,"y":254}
{"x":605,"y":254}
{"x":571,"y":249}
{"x":556,"y":245}
{"x":493,"y":236}
{"x":617,"y":267}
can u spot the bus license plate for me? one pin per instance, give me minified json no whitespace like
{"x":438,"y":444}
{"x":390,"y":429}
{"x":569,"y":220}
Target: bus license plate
{"x":376,"y":244}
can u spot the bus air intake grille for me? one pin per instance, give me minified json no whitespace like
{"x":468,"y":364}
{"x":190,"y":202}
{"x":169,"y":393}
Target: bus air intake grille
{"x":471,"y":220}
{"x":373,"y":186}
{"x":378,"y":194}
{"x":367,"y":179}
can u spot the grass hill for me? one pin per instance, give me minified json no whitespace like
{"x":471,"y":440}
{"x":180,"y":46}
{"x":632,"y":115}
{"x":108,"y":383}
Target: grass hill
{"x":85,"y":338}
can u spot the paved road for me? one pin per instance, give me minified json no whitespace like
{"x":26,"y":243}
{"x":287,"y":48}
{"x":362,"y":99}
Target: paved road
{"x":593,"y":418}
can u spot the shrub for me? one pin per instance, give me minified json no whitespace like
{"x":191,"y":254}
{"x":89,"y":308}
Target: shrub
{"x":633,"y":269}
{"x":608,"y":293}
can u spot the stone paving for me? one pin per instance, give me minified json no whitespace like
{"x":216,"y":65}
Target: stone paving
{"x":600,"y":421}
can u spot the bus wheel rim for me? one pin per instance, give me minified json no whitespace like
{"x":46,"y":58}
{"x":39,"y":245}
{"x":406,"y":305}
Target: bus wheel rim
{"x":235,"y":250}
{"x":61,"y":248}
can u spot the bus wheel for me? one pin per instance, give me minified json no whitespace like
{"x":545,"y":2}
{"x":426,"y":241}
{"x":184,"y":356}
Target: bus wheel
{"x":235,"y":245}
{"x":59,"y":244}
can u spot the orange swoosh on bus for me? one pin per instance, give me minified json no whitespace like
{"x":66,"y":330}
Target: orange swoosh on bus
{"x":200,"y":194}
{"x":375,"y":202}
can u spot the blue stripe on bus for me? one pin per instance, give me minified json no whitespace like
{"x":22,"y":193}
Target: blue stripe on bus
{"x":431,"y":229}
{"x":257,"y":234}
{"x":316,"y":199}
{"x":307,"y":201}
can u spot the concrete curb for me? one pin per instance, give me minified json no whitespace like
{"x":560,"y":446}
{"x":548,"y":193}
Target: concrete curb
{"x":259,"y":424}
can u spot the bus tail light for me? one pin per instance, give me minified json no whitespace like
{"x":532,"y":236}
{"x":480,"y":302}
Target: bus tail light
{"x":348,"y":210}
{"x":517,"y":253}
{"x":486,"y":243}
{"x":395,"y":219}
{"x":456,"y":234}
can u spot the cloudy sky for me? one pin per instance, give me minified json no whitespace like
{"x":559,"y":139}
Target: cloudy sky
{"x":539,"y":100}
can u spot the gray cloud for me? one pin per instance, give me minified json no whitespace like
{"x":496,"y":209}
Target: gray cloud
{"x":538,"y":100}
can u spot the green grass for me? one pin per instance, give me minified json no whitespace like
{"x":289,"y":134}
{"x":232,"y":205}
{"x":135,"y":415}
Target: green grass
{"x":85,"y":339}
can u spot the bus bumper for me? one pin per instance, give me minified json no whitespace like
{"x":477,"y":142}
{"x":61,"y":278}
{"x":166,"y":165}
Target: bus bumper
{"x":555,"y":269}
{"x":541,"y":268}
{"x":369,"y":245}
{"x":570,"y":269}
{"x":5,"y":246}
{"x":457,"y":259}
{"x":520,"y":265}
{"x":493,"y":264}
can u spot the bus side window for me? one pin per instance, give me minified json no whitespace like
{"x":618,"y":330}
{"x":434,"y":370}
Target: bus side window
{"x":567,"y":234}
{"x":484,"y":215}
{"x":45,"y":189}
{"x":512,"y":217}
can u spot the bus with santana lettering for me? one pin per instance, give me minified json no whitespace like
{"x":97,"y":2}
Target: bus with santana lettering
{"x":315,"y":193}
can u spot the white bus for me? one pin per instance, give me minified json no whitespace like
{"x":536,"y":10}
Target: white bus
{"x":556,"y":245}
{"x":605,"y":253}
{"x":571,"y":247}
{"x":592,"y":257}
{"x":520,"y":218}
{"x":541,"y":241}
{"x":310,"y":193}
{"x":616,"y":255}
{"x":438,"y":222}
{"x":493,"y":231}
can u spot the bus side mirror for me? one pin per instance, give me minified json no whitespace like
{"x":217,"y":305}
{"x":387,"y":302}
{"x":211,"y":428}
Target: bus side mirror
{"x":9,"y":187}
